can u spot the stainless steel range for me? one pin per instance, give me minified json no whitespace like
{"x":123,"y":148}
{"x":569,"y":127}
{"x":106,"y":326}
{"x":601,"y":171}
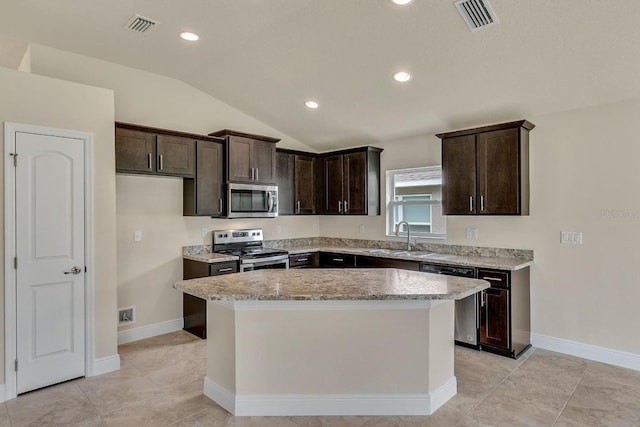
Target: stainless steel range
{"x":248,"y":246}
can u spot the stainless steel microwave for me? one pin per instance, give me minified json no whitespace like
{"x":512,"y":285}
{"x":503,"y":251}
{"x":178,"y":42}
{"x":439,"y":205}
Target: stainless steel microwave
{"x":252,"y":201}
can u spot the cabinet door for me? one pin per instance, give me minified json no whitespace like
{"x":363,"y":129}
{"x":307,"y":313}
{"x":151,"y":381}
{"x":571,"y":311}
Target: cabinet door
{"x":494,"y":318}
{"x":209,"y":178}
{"x":375,"y":262}
{"x":240,"y":159}
{"x":304,"y":185}
{"x":498,"y":172}
{"x":285,"y":173}
{"x":459,"y":175}
{"x":333,"y":178}
{"x":135,"y":151}
{"x":264,"y":161}
{"x":355,"y":183}
{"x":176,"y":156}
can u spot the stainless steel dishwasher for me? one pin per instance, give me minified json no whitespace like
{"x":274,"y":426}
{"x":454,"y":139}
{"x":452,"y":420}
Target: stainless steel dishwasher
{"x":467,"y":322}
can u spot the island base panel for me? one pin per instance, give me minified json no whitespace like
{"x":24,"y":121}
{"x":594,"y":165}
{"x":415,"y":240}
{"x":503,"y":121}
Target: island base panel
{"x":330,"y":357}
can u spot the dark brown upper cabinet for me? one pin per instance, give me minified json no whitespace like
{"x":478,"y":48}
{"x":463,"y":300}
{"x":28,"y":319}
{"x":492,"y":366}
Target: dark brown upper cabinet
{"x":485,"y":171}
{"x":204,"y":195}
{"x":351,"y":181}
{"x":147,"y":150}
{"x":251,"y":158}
{"x":296,"y":183}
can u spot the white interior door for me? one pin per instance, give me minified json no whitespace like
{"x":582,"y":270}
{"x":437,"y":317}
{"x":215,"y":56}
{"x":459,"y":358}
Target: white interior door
{"x":50,"y":272}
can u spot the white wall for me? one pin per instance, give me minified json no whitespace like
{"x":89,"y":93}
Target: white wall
{"x":43,"y":101}
{"x":153,"y":205}
{"x":584,"y":177}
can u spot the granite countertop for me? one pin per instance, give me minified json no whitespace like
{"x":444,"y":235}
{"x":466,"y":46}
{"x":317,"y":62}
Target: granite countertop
{"x":512,"y":264}
{"x":210,"y":257}
{"x":332,"y":284}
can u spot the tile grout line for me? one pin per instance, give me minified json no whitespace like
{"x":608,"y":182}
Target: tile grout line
{"x":188,"y":416}
{"x":496,"y":386}
{"x":570,"y":396}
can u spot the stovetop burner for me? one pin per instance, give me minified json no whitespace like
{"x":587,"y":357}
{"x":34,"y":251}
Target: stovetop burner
{"x":243,"y":243}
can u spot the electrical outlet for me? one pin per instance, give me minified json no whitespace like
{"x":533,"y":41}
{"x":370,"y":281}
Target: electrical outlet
{"x":472,"y":233}
{"x":278,"y":229}
{"x":362,"y":228}
{"x":315,"y":227}
{"x":571,"y":237}
{"x":204,"y":232}
{"x":137,"y":236}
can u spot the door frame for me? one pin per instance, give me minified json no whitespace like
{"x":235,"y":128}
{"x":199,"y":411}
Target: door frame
{"x":10,"y":309}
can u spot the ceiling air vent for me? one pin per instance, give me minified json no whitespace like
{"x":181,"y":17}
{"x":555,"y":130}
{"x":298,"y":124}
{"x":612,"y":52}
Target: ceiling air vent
{"x":140,"y":24}
{"x":477,"y":14}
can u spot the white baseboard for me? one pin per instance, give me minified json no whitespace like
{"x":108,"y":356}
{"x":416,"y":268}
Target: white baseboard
{"x":330,"y":404}
{"x":587,"y":351}
{"x":148,"y":331}
{"x":3,"y":395}
{"x":104,"y":365}
{"x":220,"y":395}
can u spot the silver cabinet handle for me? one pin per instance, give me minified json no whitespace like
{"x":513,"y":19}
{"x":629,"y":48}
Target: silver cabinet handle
{"x":222,"y":270}
{"x":338,"y":259}
{"x":74,"y":270}
{"x":482,"y":299}
{"x":346,"y":206}
{"x":161,"y":162}
{"x":495,"y":279}
{"x":302,"y":259}
{"x":149,"y":161}
{"x":470,"y":203}
{"x":298,"y":206}
{"x":339,"y":206}
{"x":481,"y":203}
{"x":252,"y":174}
{"x":220,"y":206}
{"x":257,"y":174}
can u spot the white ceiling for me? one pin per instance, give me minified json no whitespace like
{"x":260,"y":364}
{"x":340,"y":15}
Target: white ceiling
{"x":266,"y":57}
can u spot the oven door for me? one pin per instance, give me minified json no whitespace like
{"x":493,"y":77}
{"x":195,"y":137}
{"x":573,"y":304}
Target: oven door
{"x":264,"y":263}
{"x":252,"y":201}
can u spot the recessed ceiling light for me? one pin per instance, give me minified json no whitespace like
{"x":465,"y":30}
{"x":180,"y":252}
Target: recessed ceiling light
{"x":402,"y":2}
{"x":311,"y":104}
{"x":402,"y":76}
{"x":191,"y":37}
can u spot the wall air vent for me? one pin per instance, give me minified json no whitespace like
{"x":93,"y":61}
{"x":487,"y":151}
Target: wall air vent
{"x":140,"y":24}
{"x":477,"y":14}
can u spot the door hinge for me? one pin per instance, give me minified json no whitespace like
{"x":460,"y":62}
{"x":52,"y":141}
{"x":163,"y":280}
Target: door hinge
{"x":15,"y":263}
{"x":16,"y":365}
{"x":15,"y":158}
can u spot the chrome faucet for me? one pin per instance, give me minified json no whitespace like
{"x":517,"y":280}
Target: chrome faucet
{"x":408,"y":232}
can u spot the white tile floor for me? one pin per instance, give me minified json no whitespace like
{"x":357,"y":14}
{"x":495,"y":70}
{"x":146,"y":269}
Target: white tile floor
{"x":160,"y":384}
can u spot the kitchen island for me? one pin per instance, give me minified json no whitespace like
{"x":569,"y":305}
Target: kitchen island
{"x":330,"y":341}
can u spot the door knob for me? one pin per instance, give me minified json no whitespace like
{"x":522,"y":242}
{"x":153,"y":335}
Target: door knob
{"x":74,"y":270}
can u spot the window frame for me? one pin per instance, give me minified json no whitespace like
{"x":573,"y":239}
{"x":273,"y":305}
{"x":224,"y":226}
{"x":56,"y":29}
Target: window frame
{"x":392,"y":203}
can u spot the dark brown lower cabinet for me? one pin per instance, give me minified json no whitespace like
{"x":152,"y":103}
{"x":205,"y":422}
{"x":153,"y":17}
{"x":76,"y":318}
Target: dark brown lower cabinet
{"x":307,"y":260}
{"x":334,"y":260}
{"x":194,"y":309}
{"x":505,"y":325}
{"x":375,"y":262}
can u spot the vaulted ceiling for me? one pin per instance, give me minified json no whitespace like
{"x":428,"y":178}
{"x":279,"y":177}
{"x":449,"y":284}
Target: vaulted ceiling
{"x":267,"y":57}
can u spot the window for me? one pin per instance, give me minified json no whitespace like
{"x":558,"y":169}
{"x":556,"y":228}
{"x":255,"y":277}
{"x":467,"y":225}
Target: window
{"x":415,"y":196}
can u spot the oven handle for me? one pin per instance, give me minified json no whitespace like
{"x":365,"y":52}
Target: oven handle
{"x":262,"y":261}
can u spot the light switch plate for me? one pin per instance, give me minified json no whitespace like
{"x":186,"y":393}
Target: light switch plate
{"x":204,"y":232}
{"x":361,"y":228}
{"x":571,"y":237}
{"x":472,"y":233}
{"x":137,"y":236}
{"x":278,"y":229}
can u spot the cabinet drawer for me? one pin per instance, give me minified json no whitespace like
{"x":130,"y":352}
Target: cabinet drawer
{"x":330,"y":259}
{"x":219,"y":268}
{"x":303,"y":260}
{"x":375,"y":262}
{"x":497,"y":278}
